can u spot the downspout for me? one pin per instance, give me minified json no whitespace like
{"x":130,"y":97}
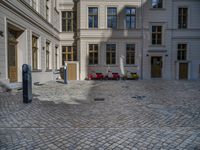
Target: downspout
{"x":142,"y":42}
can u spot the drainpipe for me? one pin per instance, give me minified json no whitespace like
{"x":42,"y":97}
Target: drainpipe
{"x":142,"y":47}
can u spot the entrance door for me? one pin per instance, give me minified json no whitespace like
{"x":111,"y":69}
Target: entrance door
{"x":72,"y":71}
{"x":183,"y":71}
{"x":156,"y":67}
{"x":12,"y":56}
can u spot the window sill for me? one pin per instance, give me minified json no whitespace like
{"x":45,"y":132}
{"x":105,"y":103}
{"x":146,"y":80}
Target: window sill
{"x":93,"y":65}
{"x":93,"y":28}
{"x":158,"y":9}
{"x":111,"y":65}
{"x":182,"y":29}
{"x":157,"y":45}
{"x":67,"y":31}
{"x":182,"y":61}
{"x":48,"y":70}
{"x":37,"y":70}
{"x":130,"y":65}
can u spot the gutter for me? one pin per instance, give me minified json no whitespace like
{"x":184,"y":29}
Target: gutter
{"x":142,"y":42}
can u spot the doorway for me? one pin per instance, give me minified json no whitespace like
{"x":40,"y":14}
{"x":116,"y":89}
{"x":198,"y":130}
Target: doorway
{"x":156,"y":67}
{"x":16,"y":47}
{"x":183,"y":71}
{"x":12,"y":55}
{"x":72,"y":73}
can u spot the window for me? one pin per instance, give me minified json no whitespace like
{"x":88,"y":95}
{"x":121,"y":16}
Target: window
{"x":34,"y":4}
{"x":182,"y":52}
{"x":130,"y":18}
{"x":156,"y":35}
{"x":182,"y":17}
{"x":47,"y":55}
{"x":48,"y":10}
{"x":67,"y":21}
{"x":56,"y":57}
{"x":130,"y":54}
{"x":111,"y":54}
{"x":93,"y":54}
{"x":34,"y":52}
{"x":93,"y":17}
{"x":157,"y":3}
{"x":69,"y":53}
{"x":112,"y":17}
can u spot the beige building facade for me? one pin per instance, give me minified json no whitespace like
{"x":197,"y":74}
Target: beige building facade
{"x":153,"y":38}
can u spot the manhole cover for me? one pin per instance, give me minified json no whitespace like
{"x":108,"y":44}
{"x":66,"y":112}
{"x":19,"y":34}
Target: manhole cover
{"x":99,"y":99}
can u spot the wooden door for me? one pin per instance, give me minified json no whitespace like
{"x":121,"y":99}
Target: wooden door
{"x":12,"y":61}
{"x":183,"y":71}
{"x":156,"y":67}
{"x":72,"y":72}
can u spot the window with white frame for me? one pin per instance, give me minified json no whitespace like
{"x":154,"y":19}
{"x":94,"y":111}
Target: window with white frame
{"x":182,"y":52}
{"x":112,"y":17}
{"x":69,"y":53}
{"x":130,"y":17}
{"x":67,"y":21}
{"x":93,"y":17}
{"x":130,"y":54}
{"x":47,"y":55}
{"x":56,"y":57}
{"x":34,"y":52}
{"x":157,"y":3}
{"x":93,"y":54}
{"x":111,"y":54}
{"x":156,"y":35}
{"x":182,"y":18}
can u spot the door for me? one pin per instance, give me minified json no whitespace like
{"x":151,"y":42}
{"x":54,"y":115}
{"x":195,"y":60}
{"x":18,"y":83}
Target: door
{"x":183,"y":71}
{"x":72,"y":74}
{"x":156,"y":67}
{"x":12,"y":56}
{"x":12,"y":62}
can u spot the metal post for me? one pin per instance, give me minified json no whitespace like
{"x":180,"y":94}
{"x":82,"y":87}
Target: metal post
{"x":65,"y":74}
{"x":27,"y":83}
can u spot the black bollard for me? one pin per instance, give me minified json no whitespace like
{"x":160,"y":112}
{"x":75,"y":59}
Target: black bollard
{"x":27,"y":83}
{"x":65,"y":74}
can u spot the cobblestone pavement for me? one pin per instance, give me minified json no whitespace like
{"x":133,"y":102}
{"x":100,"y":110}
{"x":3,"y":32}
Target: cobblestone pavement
{"x":142,"y":115}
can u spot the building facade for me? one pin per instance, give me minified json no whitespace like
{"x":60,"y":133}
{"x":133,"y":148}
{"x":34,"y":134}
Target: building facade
{"x":153,"y":38}
{"x":29,"y":35}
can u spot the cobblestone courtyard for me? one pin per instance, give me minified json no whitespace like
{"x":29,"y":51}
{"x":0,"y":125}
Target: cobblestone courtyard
{"x":152,"y":114}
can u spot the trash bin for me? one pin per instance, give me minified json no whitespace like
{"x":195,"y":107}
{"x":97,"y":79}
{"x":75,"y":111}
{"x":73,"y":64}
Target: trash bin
{"x":27,"y":83}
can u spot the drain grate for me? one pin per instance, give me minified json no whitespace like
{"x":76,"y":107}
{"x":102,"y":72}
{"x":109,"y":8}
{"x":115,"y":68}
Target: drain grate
{"x":38,"y":84}
{"x":99,"y":99}
{"x":126,"y":87}
{"x":138,"y":97}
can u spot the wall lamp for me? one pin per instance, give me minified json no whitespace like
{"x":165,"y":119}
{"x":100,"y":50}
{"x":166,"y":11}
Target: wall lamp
{"x":1,"y":33}
{"x":147,"y":55}
{"x":166,"y":55}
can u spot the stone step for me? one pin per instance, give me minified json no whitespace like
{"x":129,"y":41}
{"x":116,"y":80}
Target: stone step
{"x":4,"y":87}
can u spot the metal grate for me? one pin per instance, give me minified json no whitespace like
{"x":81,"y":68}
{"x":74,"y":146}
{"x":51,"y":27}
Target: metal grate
{"x":99,"y":99}
{"x":138,"y":97}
